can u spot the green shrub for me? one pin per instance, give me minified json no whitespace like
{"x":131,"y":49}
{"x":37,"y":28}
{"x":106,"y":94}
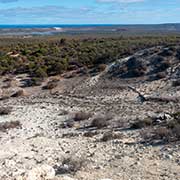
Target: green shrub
{"x":40,"y":72}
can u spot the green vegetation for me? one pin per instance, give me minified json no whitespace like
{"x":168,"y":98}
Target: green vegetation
{"x":45,"y":56}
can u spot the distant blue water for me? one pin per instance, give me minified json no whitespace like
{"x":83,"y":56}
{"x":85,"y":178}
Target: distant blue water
{"x":53,"y":25}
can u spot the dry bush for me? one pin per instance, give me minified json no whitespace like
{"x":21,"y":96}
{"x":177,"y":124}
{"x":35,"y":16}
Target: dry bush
{"x":178,"y":54}
{"x":70,"y":165}
{"x":175,"y":125}
{"x":162,"y":99}
{"x":63,"y":112}
{"x":147,"y":134}
{"x":5,"y":110}
{"x":4,"y":126}
{"x":80,"y":116}
{"x":162,"y":133}
{"x":166,"y":52}
{"x":110,"y":135}
{"x":18,"y":93}
{"x":176,"y":116}
{"x":7,"y":79}
{"x":138,"y":124}
{"x":50,"y":85}
{"x":3,"y":97}
{"x":160,"y":75}
{"x":156,"y":60}
{"x":176,"y":83}
{"x":7,"y":85}
{"x":101,"y":121}
{"x":176,"y":131}
{"x":119,"y":123}
{"x":160,"y":67}
{"x":90,"y":133}
{"x":102,"y":67}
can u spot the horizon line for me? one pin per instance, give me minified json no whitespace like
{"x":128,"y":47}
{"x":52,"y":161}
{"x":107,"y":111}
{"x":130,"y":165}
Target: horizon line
{"x":93,"y":24}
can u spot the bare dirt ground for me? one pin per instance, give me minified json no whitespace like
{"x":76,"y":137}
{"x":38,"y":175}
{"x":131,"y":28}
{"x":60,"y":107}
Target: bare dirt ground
{"x":52,"y":143}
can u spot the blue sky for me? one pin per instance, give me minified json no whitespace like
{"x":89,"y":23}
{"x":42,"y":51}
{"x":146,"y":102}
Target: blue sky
{"x":89,"y":11}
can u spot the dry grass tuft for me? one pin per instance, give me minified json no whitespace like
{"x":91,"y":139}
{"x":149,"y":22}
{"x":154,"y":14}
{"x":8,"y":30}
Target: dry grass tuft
{"x":4,"y":126}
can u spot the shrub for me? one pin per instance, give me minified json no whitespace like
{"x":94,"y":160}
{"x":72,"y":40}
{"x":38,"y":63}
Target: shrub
{"x":160,"y":75}
{"x":110,"y":135}
{"x":7,"y":85}
{"x":18,"y":93}
{"x":166,"y":52}
{"x":8,"y":79}
{"x":102,"y":67}
{"x":176,"y":83}
{"x":141,"y":123}
{"x":101,"y":121}
{"x":90,"y":133}
{"x":178,"y":54}
{"x":162,"y":133}
{"x":176,"y":131}
{"x":157,"y":59}
{"x":176,"y":116}
{"x":80,"y":116}
{"x":137,"y":72}
{"x":162,"y":99}
{"x":70,"y":165}
{"x":4,"y":126}
{"x":5,"y":110}
{"x":40,"y":72}
{"x":51,"y":85}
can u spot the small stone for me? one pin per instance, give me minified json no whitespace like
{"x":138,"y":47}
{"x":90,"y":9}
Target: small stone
{"x":168,"y":156}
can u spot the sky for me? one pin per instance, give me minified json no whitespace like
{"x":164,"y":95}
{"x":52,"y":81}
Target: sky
{"x":89,"y":11}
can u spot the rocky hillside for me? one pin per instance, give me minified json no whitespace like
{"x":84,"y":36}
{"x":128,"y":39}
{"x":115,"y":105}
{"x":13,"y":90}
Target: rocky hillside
{"x":121,"y":123}
{"x":150,"y":64}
